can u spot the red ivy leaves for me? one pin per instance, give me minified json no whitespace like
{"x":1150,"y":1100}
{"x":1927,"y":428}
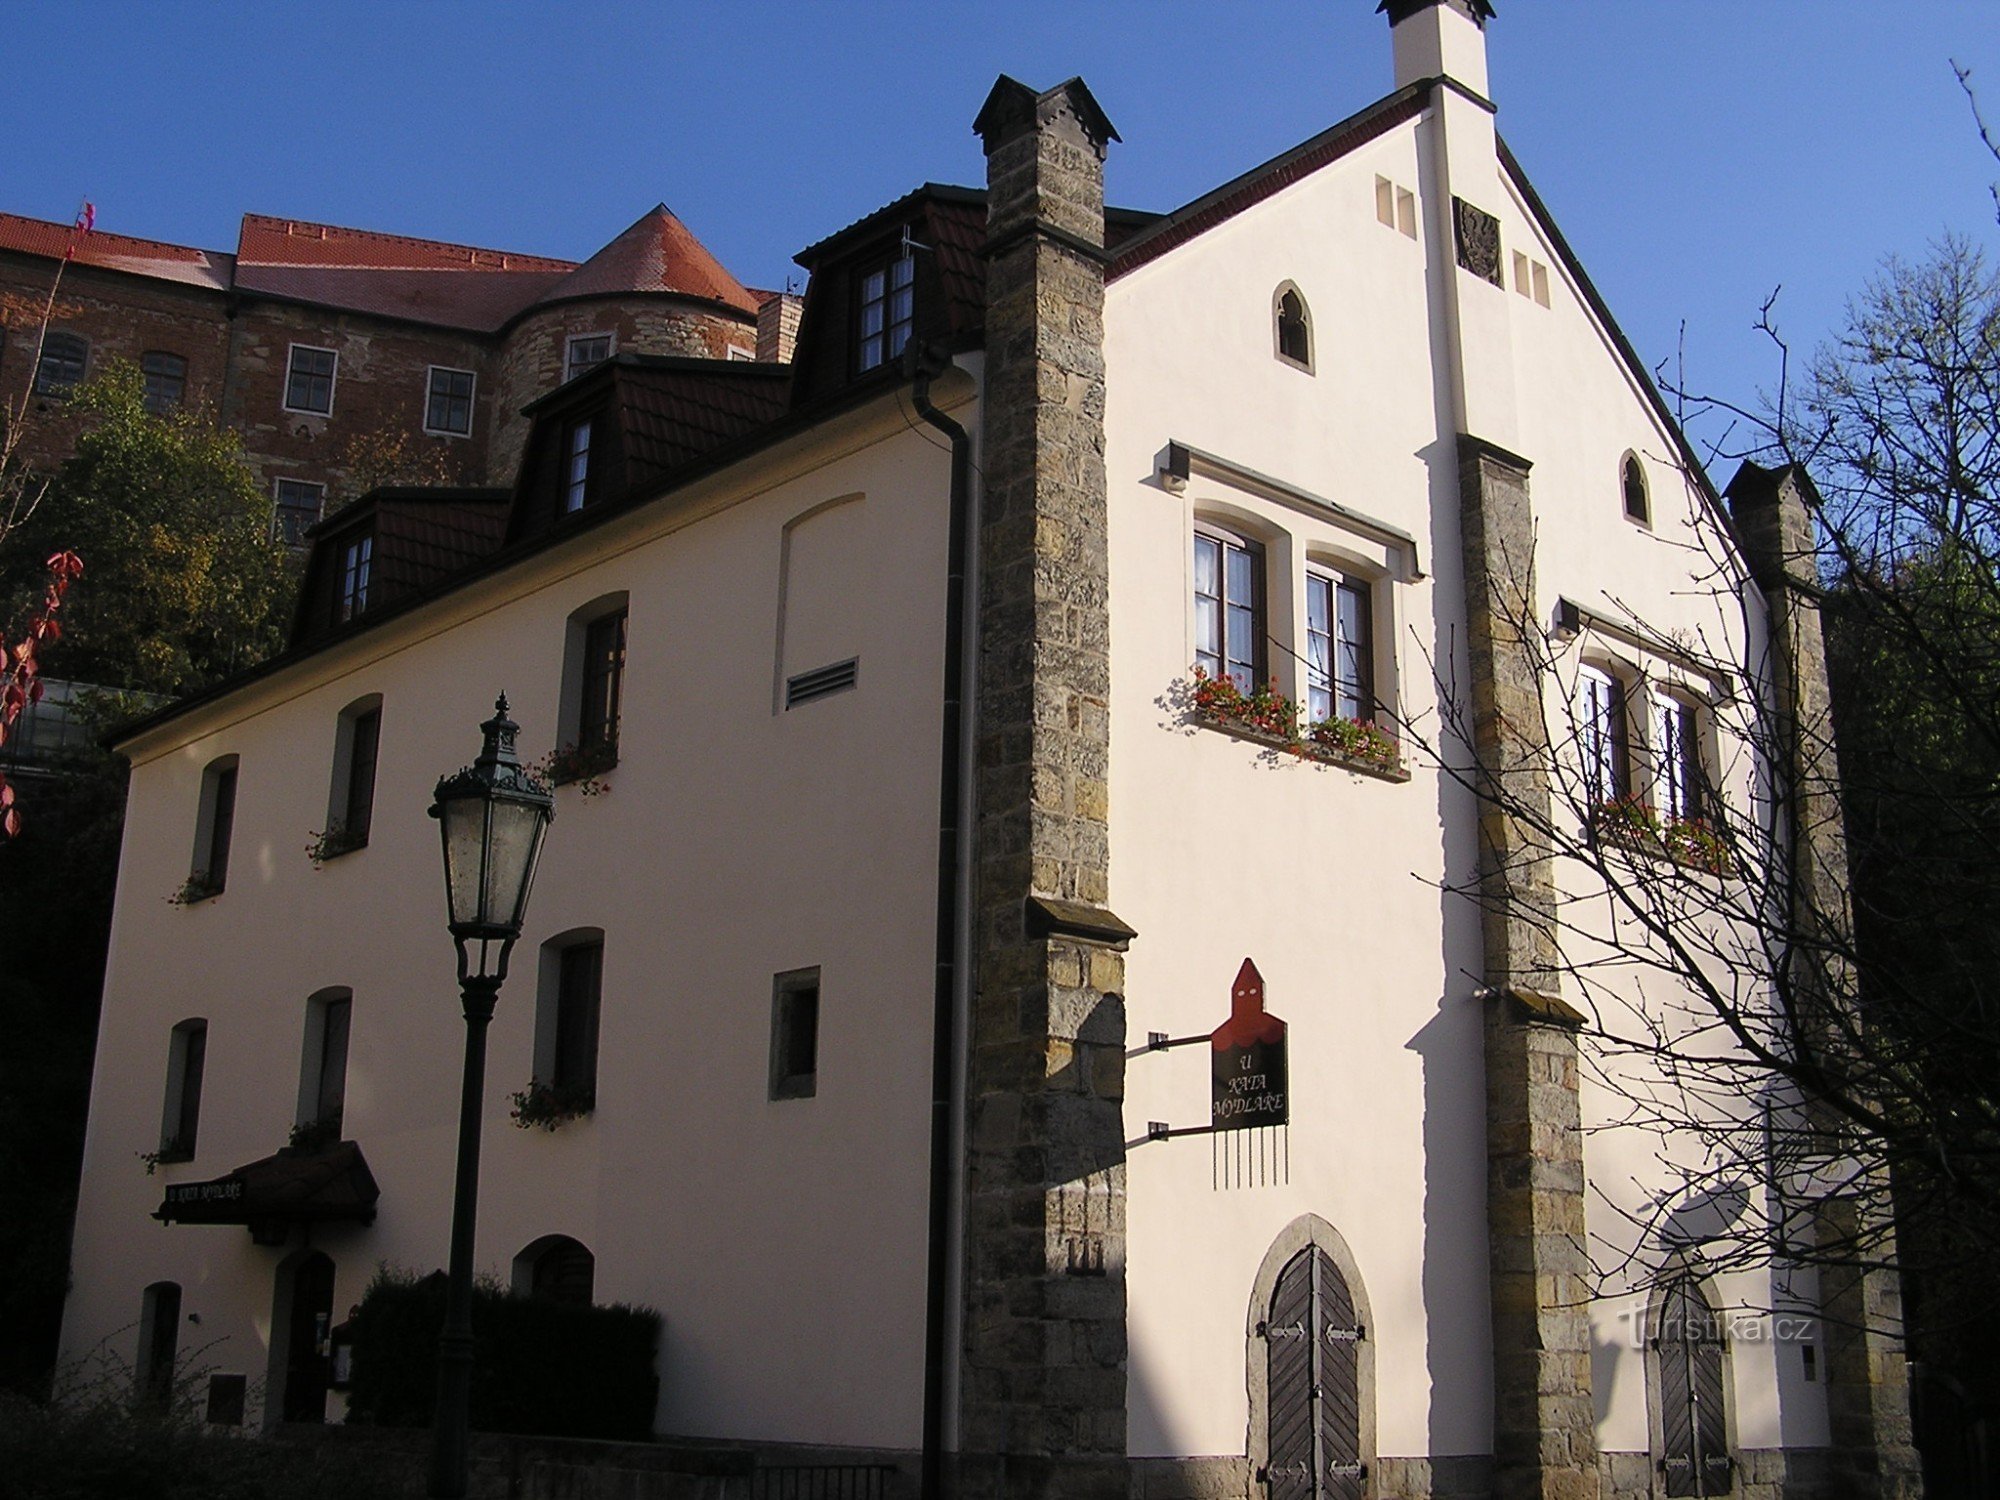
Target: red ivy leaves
{"x":20,"y":668}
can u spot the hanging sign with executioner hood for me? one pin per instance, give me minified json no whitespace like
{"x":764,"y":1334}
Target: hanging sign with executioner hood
{"x":1249,"y":1085}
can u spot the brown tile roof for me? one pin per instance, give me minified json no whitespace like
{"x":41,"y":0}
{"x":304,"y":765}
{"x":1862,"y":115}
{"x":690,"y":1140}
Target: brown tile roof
{"x":656,"y":254}
{"x":117,"y":252}
{"x":674,"y":410}
{"x":422,"y":536}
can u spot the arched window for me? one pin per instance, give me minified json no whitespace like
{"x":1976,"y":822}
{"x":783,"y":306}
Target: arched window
{"x":350,"y":810}
{"x":1690,"y":1392}
{"x":556,"y":1268}
{"x":1638,"y":506}
{"x":592,"y":688}
{"x":1294,"y":327}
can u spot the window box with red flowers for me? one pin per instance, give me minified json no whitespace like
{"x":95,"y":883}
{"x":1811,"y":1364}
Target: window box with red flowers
{"x":1696,"y":843}
{"x":581,"y":766}
{"x":1266,"y":716}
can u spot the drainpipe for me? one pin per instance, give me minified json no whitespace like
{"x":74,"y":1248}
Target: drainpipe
{"x":952,"y":779}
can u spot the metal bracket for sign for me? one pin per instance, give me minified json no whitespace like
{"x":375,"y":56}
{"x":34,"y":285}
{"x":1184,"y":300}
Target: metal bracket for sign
{"x":1258,"y":1157}
{"x":1159,"y":1041}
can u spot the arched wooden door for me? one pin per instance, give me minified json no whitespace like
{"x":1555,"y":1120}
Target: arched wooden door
{"x":1314,"y":1389}
{"x":308,"y":1352}
{"x":1694,"y":1427}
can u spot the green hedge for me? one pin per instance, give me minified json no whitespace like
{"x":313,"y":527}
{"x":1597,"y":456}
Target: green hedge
{"x":539,"y":1367}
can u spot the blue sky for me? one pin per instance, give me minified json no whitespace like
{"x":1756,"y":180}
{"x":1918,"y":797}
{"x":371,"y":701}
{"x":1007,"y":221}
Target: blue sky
{"x":1698,"y":153}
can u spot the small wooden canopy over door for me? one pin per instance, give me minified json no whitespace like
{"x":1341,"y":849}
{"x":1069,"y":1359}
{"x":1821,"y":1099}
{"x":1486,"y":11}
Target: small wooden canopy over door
{"x":1315,"y":1384}
{"x":1694,"y":1435}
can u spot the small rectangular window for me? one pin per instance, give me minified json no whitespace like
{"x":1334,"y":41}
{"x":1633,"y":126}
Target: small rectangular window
{"x":1385,"y":202}
{"x":159,"y":1344}
{"x":1406,"y":212}
{"x":1541,"y":283}
{"x":332,"y":1019}
{"x":351,"y":591}
{"x":888,"y":311}
{"x":583,"y":351}
{"x":579,"y":1003}
{"x":217,"y":826}
{"x":180,"y":1115}
{"x":64,"y":359}
{"x":448,"y":405}
{"x":603,"y":682}
{"x":576,"y":469}
{"x":166,"y":380}
{"x":795,"y":1034}
{"x":365,"y":740}
{"x":309,"y":380}
{"x":1522,"y":282}
{"x":297,"y":510}
{"x":226,"y":1399}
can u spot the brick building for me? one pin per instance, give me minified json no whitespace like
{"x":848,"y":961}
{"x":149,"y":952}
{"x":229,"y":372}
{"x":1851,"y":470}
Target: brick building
{"x":327,"y":348}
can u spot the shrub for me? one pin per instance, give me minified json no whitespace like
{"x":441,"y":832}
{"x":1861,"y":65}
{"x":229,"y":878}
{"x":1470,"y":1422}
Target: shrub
{"x":92,"y":1442}
{"x":539,"y":1367}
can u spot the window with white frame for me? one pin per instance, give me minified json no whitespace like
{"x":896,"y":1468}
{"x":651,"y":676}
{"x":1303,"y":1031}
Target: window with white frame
{"x":448,"y":402}
{"x":1229,"y":618}
{"x":297,"y":507}
{"x":1679,"y":785}
{"x":354,"y":561}
{"x":1340,"y":647}
{"x":1603,"y":737}
{"x":309,"y":380}
{"x":887,"y":311}
{"x":576,"y":466}
{"x":584,"y":350}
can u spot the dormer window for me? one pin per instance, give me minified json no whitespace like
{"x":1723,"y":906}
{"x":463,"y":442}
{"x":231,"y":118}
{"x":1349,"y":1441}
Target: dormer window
{"x":576,"y":467}
{"x":888,"y":311}
{"x":357,"y":555}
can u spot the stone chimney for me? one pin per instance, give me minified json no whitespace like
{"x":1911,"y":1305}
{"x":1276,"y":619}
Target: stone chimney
{"x":1440,"y":39}
{"x":1042,"y":1392}
{"x":778,"y":327}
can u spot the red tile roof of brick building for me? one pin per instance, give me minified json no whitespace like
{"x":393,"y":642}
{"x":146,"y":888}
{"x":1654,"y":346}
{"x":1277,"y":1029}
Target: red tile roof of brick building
{"x":656,"y":254}
{"x":117,"y":252}
{"x":438,"y":282}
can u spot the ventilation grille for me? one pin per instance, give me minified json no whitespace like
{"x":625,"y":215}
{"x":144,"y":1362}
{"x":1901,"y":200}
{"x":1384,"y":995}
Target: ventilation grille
{"x":820,"y":681}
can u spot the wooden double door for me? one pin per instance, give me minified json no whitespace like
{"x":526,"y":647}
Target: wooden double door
{"x":1314,"y":1384}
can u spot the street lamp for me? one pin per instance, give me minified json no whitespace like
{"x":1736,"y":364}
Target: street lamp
{"x":493,"y":815}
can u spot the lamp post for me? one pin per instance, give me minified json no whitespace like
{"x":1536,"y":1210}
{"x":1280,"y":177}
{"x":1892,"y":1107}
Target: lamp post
{"x":493,"y":815}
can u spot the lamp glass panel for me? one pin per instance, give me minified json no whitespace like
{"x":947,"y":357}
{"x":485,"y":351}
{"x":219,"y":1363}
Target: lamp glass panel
{"x":464,"y":861}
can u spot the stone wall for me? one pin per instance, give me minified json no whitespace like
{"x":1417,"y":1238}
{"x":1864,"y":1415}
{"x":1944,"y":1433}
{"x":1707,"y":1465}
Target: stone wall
{"x":1042,"y":1406}
{"x":1544,"y":1417}
{"x":530,"y":361}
